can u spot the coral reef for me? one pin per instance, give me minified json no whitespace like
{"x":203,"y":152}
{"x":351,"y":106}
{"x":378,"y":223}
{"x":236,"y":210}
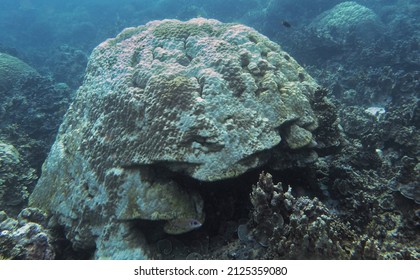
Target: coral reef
{"x":328,"y":136}
{"x":347,"y":21}
{"x":392,"y":142}
{"x":67,"y":65}
{"x":364,"y":223}
{"x":373,"y":182}
{"x":359,"y":219}
{"x":227,"y":103}
{"x":357,"y":187}
{"x":13,"y":71}
{"x":17,"y":179}
{"x":296,"y":228}
{"x":25,"y":238}
{"x":31,"y":109}
{"x":222,"y":98}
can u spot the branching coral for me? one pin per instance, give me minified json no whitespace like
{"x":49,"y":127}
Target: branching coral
{"x":297,"y":228}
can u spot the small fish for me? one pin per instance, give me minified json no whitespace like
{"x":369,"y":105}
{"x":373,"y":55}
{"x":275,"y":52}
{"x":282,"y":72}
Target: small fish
{"x":182,"y":225}
{"x":286,"y":24}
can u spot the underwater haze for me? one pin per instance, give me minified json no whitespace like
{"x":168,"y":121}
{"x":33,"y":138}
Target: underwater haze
{"x":40,"y":29}
{"x":210,"y":129}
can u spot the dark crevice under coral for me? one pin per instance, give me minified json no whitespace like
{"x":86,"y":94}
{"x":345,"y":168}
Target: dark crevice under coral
{"x":227,"y":206}
{"x":64,"y":249}
{"x":337,"y":183}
